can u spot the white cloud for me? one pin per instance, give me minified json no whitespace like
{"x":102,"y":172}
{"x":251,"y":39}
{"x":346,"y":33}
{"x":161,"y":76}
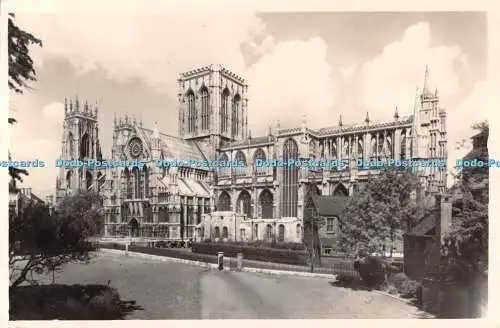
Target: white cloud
{"x":27,"y":145}
{"x":473,"y":109}
{"x":391,"y":78}
{"x":54,"y":112}
{"x":284,"y":88}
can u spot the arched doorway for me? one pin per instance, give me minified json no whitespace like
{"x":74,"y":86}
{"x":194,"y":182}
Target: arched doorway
{"x":341,"y":191}
{"x":133,"y":228}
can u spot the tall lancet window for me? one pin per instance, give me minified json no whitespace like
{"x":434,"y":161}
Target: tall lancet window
{"x":360,"y":148}
{"x":205,"y":110}
{"x":403,"y":145}
{"x":373,"y":148}
{"x":69,"y":178}
{"x":289,"y":196}
{"x":236,"y":116}
{"x":84,"y":146}
{"x":333,"y":150}
{"x":261,"y":156}
{"x":191,"y":111}
{"x":381,"y":149}
{"x":224,"y":111}
{"x":146,"y":181}
{"x":71,"y":146}
{"x":129,"y":183}
{"x":136,"y":185}
{"x":241,"y":169}
{"x":388,"y":147}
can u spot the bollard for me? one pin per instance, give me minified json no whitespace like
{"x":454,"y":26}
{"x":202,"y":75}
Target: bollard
{"x":220,"y":260}
{"x":239,"y":261}
{"x":126,"y":249}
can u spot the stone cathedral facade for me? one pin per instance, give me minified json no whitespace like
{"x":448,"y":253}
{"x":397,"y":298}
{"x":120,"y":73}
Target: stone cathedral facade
{"x":244,"y":202}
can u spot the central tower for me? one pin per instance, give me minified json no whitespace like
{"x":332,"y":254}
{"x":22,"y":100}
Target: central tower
{"x":212,"y":106}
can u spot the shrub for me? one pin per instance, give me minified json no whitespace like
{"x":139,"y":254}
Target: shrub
{"x":403,"y":285}
{"x":64,"y":302}
{"x":373,"y":270}
{"x":261,"y":244}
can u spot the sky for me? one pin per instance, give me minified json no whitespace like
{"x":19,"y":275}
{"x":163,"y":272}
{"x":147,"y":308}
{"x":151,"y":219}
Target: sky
{"x":321,"y":65}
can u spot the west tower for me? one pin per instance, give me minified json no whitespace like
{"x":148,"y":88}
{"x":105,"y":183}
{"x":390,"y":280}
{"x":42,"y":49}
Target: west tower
{"x":80,"y":141}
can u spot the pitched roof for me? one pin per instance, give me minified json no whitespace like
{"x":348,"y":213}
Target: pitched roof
{"x":175,"y":148}
{"x":329,"y":205}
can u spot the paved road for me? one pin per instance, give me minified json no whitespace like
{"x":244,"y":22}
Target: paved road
{"x":179,"y":291}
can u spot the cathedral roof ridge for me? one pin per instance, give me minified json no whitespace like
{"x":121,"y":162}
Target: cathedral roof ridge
{"x":161,"y":133}
{"x":359,"y":126}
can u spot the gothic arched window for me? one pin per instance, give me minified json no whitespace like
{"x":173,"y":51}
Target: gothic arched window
{"x":403,"y":145}
{"x":146,"y":181}
{"x":298,"y":231}
{"x":333,"y":151}
{"x":205,"y":109}
{"x":388,"y":147}
{"x":84,"y":146}
{"x":88,"y":180}
{"x":289,"y":196}
{"x":191,"y":111}
{"x":266,"y":204}
{"x":312,"y":150}
{"x":240,"y":169}
{"x":224,"y":111}
{"x":360,"y":148}
{"x":128,"y":183}
{"x":236,"y":116}
{"x":69,"y":179}
{"x":136,"y":184}
{"x":345,"y":149}
{"x":71,"y":146}
{"x":269,"y":233}
{"x":224,"y":170}
{"x":373,"y":147}
{"x":244,"y":204}
{"x":281,"y":233}
{"x":224,"y":203}
{"x":259,"y":155}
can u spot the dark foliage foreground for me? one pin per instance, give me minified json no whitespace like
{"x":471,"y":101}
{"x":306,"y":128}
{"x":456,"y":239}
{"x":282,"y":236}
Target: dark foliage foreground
{"x":68,"y":302}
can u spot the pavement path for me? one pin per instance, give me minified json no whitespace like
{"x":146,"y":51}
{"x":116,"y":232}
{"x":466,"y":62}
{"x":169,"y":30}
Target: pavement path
{"x":179,"y":291}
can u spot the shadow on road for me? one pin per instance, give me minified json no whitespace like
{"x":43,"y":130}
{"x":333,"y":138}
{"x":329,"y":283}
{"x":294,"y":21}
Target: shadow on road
{"x":68,"y":302}
{"x":351,"y":282}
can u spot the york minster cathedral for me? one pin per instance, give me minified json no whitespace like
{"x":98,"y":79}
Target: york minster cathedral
{"x":245,"y":202}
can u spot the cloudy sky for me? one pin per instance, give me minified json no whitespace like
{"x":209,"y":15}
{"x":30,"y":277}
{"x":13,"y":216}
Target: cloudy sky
{"x":322,"y":64}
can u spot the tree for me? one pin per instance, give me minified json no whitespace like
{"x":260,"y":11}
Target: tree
{"x":41,"y":242}
{"x":381,"y":211}
{"x":466,"y":245}
{"x":312,"y":225}
{"x":21,"y":72}
{"x":87,"y":206}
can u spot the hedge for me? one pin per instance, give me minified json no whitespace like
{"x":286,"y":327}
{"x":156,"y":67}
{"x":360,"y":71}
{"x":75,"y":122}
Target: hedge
{"x":263,"y":244}
{"x":284,"y":256}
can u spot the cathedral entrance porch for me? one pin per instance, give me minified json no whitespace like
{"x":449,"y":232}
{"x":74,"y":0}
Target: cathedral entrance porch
{"x":133,"y":228}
